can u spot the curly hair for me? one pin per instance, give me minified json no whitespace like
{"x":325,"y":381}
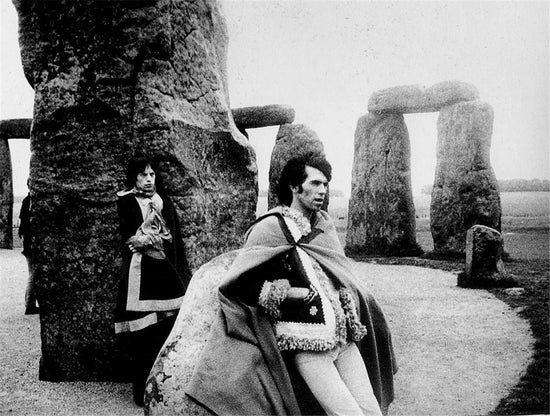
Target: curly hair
{"x":294,"y":174}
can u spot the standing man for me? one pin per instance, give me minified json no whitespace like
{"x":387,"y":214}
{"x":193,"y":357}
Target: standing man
{"x":155,"y":273}
{"x":24,"y":232}
{"x":322,"y":342}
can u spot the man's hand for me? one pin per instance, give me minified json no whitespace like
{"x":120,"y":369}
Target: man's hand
{"x":138,"y":243}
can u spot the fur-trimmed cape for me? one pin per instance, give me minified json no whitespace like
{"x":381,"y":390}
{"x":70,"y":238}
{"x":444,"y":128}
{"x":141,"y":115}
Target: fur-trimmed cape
{"x":241,"y":370}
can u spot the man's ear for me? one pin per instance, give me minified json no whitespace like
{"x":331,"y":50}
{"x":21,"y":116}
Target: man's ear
{"x":294,"y":189}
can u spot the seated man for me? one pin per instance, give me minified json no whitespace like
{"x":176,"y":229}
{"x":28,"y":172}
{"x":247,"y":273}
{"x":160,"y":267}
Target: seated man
{"x":297,"y":332}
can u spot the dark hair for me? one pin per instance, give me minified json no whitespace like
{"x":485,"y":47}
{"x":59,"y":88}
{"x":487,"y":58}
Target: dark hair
{"x":294,"y":174}
{"x":136,"y":165}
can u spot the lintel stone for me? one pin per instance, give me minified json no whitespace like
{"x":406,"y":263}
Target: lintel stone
{"x":263,"y":116}
{"x":419,"y":99}
{"x":17,"y":128}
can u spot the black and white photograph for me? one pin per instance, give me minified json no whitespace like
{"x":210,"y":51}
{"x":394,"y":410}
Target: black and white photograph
{"x":274,"y":207}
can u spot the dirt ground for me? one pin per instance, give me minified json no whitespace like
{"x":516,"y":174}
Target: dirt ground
{"x":459,"y":350}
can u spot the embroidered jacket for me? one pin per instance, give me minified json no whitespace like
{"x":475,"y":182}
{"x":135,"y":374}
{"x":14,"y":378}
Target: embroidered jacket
{"x":325,"y":318}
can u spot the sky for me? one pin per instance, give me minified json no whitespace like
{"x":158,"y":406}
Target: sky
{"x":326,"y":58}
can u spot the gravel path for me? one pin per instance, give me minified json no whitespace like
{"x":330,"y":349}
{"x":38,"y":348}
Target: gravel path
{"x":459,"y":350}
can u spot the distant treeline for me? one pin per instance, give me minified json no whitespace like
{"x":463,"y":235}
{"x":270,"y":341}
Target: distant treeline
{"x":512,"y":185}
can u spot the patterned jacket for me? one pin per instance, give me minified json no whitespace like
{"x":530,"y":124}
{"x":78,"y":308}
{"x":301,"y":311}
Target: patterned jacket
{"x":326,"y":317}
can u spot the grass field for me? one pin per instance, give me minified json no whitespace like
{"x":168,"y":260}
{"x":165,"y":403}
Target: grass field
{"x":525,"y":222}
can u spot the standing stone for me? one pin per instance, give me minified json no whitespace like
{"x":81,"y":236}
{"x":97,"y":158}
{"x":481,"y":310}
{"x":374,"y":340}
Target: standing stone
{"x":381,"y":211}
{"x":172,"y":371}
{"x":293,"y":140}
{"x":112,"y":78}
{"x":6,"y":196}
{"x":465,"y":189}
{"x":9,"y":129}
{"x":484,"y":265}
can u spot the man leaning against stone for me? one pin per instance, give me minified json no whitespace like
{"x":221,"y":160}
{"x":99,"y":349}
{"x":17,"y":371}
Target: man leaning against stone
{"x":297,"y":333}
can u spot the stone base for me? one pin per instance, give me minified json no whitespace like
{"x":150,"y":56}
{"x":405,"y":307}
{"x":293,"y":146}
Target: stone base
{"x":486,"y":280}
{"x":408,"y":251}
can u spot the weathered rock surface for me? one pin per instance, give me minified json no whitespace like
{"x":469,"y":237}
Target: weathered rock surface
{"x":381,"y":211}
{"x":112,"y":78}
{"x":293,"y":140}
{"x":263,"y":116}
{"x":484,"y":265}
{"x":6,"y":196}
{"x":420,"y":99}
{"x":171,"y":373}
{"x":465,"y":191}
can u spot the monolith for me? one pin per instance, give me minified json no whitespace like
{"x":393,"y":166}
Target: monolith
{"x":465,"y":191}
{"x":381,"y":217}
{"x":112,"y":78}
{"x":9,"y":129}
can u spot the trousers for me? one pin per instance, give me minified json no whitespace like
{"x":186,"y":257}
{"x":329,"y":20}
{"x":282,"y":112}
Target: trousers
{"x":145,"y":345}
{"x":339,"y":380}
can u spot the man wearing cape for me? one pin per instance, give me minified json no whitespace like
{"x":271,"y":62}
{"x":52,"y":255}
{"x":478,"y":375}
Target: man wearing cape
{"x":241,"y":370}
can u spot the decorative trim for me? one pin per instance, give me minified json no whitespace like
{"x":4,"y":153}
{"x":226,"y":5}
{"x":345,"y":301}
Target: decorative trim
{"x":272,"y":295}
{"x":358,"y":330}
{"x":133,"y":301}
{"x":303,"y":224}
{"x":141,"y":323}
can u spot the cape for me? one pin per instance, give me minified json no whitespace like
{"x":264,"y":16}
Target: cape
{"x":241,"y":370}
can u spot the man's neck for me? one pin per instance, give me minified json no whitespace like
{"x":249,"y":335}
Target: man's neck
{"x":305,"y":212}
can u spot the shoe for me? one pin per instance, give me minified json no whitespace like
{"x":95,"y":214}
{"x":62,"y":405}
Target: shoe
{"x":31,"y":310}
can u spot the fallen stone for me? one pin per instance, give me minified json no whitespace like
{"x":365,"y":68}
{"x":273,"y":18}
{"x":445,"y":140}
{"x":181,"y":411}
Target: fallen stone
{"x":420,"y":99}
{"x":465,"y":191}
{"x":484,"y":246}
{"x":172,"y":371}
{"x":484,"y":265}
{"x":268,"y":115}
{"x":381,"y":216}
{"x":292,"y":140}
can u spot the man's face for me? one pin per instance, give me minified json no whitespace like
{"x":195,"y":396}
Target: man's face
{"x":314,"y":190}
{"x":145,"y":180}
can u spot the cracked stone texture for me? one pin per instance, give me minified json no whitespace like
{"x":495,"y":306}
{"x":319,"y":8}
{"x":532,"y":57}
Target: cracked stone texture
{"x":419,"y":99}
{"x":292,"y":140}
{"x":112,"y":78}
{"x":381,"y":210}
{"x":172,"y":371}
{"x":465,"y":191}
